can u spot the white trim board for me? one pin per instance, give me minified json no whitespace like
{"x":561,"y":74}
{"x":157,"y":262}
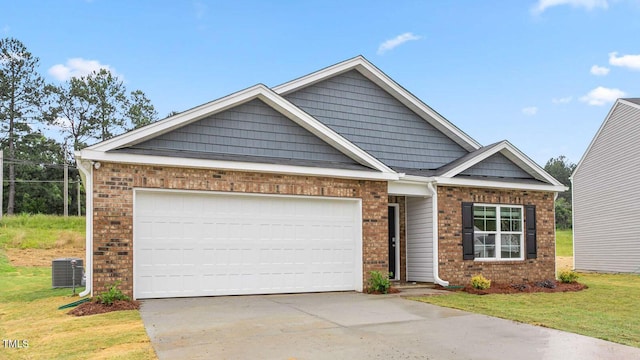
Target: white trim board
{"x":127,"y":158}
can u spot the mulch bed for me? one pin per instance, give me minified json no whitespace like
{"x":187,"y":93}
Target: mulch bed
{"x":531,"y":287}
{"x":391,"y":290}
{"x":93,"y":307}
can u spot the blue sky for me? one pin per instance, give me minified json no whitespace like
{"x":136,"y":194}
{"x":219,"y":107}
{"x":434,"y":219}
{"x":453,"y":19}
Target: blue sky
{"x":541,"y":73}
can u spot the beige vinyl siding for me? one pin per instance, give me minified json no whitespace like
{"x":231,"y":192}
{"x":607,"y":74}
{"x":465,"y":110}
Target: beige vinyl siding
{"x":606,"y":196}
{"x":419,"y":239}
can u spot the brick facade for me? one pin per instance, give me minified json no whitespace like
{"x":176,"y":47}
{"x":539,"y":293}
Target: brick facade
{"x":113,"y":209}
{"x":457,"y":271}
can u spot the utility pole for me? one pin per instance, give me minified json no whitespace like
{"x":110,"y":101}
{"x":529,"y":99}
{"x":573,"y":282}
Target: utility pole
{"x":1,"y":181}
{"x":79,"y":210}
{"x":66,"y":190}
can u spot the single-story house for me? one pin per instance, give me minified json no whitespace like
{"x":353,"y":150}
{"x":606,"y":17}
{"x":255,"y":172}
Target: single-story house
{"x":308,"y":186}
{"x":606,"y":190}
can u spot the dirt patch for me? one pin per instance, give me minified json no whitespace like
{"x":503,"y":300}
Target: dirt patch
{"x":564,"y":262}
{"x":41,"y":257}
{"x":549,"y":286}
{"x":93,"y":307}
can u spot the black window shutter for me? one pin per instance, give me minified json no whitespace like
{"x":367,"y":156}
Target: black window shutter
{"x":530,"y":218}
{"x":467,"y":231}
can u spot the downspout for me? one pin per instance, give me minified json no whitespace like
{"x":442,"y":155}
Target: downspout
{"x":434,"y":204}
{"x":87,"y":177}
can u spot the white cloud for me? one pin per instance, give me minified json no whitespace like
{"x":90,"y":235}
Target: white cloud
{"x":530,"y":111}
{"x":77,"y":67}
{"x":200,"y":8}
{"x":628,"y":61}
{"x":6,"y":29}
{"x":543,"y":5}
{"x":562,"y":100}
{"x":397,"y":41}
{"x":599,"y":70}
{"x":602,"y":95}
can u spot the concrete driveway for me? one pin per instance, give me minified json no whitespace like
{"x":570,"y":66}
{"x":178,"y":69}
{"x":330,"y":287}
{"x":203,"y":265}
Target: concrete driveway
{"x":351,"y":326}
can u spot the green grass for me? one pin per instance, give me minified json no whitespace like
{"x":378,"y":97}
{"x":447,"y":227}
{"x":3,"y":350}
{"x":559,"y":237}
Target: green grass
{"x":41,"y":231}
{"x":29,"y":311}
{"x":607,"y":310}
{"x":29,"y":306}
{"x":564,"y":243}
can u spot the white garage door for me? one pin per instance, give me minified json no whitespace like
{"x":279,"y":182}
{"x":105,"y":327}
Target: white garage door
{"x":202,"y":244}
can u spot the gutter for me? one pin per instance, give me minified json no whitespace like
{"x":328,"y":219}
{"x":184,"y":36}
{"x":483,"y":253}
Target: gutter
{"x":434,"y":204}
{"x":87,"y":176}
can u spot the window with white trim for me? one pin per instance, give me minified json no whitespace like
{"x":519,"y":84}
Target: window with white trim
{"x":497,"y":232}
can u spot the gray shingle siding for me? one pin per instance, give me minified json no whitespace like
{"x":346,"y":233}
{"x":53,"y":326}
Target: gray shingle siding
{"x":365,"y":114}
{"x":606,"y":197}
{"x":251,"y":129}
{"x":497,"y":165}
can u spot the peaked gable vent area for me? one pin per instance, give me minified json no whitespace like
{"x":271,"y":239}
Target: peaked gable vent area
{"x":497,"y":166}
{"x":367,"y":115}
{"x":252,"y":132}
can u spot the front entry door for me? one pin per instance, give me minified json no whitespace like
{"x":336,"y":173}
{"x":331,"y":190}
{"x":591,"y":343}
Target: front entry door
{"x":392,"y":242}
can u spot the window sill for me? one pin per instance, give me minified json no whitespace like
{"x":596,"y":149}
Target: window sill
{"x":500,"y":260}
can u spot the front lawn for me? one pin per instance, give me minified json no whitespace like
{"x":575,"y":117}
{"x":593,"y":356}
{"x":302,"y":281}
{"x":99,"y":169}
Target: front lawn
{"x":29,"y":306}
{"x":564,"y":242}
{"x":607,"y":310}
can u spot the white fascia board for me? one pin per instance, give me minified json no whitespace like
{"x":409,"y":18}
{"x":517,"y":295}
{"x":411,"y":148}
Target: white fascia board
{"x":184,"y":118}
{"x":498,"y":184}
{"x":408,"y":188}
{"x":125,"y":158}
{"x":595,"y":137}
{"x":512,"y":153}
{"x":374,"y":74}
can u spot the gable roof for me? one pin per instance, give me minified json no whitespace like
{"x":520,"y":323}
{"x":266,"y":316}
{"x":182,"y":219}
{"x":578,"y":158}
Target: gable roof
{"x":509,"y":151}
{"x":261,"y":92}
{"x":632,"y":102}
{"x":374,"y":74}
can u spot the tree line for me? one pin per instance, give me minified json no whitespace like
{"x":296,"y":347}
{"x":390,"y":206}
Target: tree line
{"x":83,"y":109}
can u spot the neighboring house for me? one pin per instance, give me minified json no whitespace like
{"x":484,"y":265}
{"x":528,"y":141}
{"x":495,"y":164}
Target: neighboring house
{"x":606,"y":190}
{"x":309,"y":186}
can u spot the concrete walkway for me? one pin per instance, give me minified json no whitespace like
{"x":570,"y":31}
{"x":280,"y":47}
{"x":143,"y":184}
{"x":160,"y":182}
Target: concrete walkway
{"x":351,"y":326}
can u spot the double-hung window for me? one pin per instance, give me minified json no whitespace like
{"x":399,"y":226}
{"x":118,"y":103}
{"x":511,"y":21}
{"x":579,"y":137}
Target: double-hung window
{"x":498,"y":232}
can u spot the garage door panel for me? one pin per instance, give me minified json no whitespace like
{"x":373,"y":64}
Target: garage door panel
{"x":197,"y":244}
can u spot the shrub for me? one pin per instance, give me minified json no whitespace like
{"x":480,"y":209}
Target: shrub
{"x":520,"y":287}
{"x":379,"y":282}
{"x":480,"y":282}
{"x":113,"y":294}
{"x":549,"y":284}
{"x":568,"y":276}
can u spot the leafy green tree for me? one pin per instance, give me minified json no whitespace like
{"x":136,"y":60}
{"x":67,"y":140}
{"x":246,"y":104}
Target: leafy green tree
{"x":39,"y":175}
{"x":563,"y":214}
{"x":141,"y":111}
{"x":21,"y":95}
{"x":561,"y":169}
{"x":95,"y":108}
{"x":107,"y":94}
{"x":71,"y":112}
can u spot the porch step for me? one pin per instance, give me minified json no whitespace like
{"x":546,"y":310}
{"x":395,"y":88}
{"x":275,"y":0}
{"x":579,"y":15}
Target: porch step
{"x":411,"y":285}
